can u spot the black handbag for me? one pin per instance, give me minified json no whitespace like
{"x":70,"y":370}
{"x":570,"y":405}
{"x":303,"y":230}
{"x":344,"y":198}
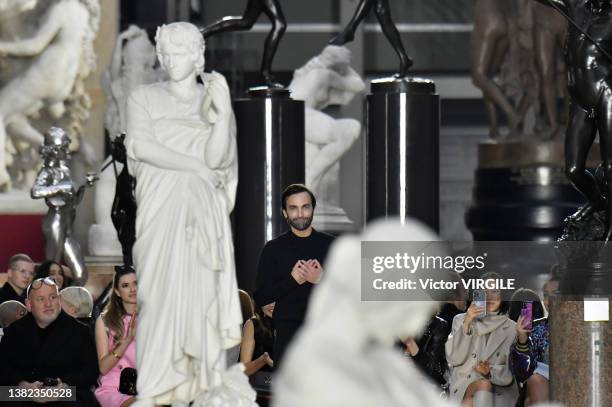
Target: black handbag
{"x":127,"y":381}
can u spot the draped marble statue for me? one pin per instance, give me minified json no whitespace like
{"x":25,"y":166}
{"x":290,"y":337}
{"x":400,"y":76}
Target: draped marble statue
{"x":59,"y":41}
{"x":181,"y":148}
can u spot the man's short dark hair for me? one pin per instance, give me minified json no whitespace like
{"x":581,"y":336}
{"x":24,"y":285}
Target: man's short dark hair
{"x":296,"y":189}
{"x":17,"y":258}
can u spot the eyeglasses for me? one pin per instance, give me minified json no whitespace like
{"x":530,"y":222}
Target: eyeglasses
{"x":36,"y":284}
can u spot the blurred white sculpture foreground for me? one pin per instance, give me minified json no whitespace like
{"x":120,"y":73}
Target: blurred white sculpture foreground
{"x":344,"y":354}
{"x":62,"y":57}
{"x":181,"y":147}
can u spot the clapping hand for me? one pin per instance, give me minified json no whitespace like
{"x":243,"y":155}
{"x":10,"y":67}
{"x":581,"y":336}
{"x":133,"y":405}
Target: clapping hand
{"x":312,"y":271}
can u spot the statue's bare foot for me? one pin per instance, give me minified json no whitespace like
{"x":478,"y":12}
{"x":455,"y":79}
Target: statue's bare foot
{"x":271,"y":82}
{"x":404,"y":67}
{"x":342,"y":39}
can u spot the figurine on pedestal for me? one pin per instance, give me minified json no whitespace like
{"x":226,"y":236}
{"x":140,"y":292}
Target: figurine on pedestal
{"x":54,"y":183}
{"x":272,"y":9}
{"x":327,"y":79}
{"x":181,"y":147}
{"x":383,"y":14}
{"x":62,"y":57}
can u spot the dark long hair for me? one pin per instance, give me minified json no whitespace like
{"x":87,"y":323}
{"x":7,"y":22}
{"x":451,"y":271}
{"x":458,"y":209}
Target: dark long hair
{"x":521,"y":296}
{"x":115,"y":311}
{"x":45,"y":268}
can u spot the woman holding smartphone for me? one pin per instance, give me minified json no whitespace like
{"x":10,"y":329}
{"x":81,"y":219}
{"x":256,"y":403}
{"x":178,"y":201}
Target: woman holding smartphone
{"x":529,"y":360}
{"x":115,"y":333}
{"x":477,"y":352}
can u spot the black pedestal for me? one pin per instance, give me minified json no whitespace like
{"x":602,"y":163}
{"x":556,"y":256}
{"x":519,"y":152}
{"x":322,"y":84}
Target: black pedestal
{"x":270,"y":157}
{"x":521,"y":192}
{"x":403,"y":132}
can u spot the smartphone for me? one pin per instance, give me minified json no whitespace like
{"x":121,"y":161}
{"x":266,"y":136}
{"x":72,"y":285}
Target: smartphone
{"x":480,"y":300}
{"x":527,"y":314}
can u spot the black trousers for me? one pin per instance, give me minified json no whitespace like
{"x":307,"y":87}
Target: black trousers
{"x":284,"y":333}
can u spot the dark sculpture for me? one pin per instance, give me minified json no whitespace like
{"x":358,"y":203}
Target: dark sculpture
{"x":383,"y":14}
{"x":588,"y":49}
{"x":123,"y":212}
{"x":272,"y":9}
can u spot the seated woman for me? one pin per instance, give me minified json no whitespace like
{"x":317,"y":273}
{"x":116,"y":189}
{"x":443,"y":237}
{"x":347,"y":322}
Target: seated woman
{"x":258,"y":341}
{"x":477,"y":352}
{"x":115,"y":333}
{"x":54,"y":270}
{"x":529,"y":354}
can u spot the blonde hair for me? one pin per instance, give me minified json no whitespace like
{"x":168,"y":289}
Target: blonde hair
{"x":80,"y":298}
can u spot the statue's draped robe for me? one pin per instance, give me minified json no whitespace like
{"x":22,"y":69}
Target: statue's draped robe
{"x":189,"y":310}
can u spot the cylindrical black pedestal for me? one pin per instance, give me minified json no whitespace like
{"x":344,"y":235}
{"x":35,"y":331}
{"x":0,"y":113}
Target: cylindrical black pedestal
{"x":520,"y":192}
{"x":270,"y":157}
{"x":403,"y":133}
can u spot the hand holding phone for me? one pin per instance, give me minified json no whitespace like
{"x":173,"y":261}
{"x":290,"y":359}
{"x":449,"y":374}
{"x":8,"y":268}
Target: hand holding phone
{"x":480,"y":301}
{"x":527,"y":314}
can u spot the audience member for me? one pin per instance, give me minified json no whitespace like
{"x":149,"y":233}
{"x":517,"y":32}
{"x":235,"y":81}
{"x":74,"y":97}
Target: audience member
{"x":115,"y":333}
{"x":78,"y":303}
{"x":10,"y":311}
{"x":428,"y":352}
{"x":48,"y":348}
{"x":290,"y":265}
{"x":477,"y":352}
{"x":529,"y":360}
{"x":19,"y":276}
{"x":257,"y":343}
{"x":54,"y":270}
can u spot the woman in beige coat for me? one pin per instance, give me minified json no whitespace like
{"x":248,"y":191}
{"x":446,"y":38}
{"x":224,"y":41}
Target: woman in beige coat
{"x":477,"y":352}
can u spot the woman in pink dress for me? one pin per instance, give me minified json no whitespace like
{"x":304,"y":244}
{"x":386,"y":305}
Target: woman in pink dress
{"x":115,"y":332}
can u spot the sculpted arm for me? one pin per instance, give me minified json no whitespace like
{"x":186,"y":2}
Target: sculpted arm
{"x":141,"y":146}
{"x":224,"y":129}
{"x":43,"y":189}
{"x":31,"y":46}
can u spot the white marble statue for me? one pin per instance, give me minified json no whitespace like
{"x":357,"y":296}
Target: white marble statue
{"x":344,"y":355}
{"x":61,"y":53}
{"x":325,"y":80}
{"x":132,"y":64}
{"x":181,"y":147}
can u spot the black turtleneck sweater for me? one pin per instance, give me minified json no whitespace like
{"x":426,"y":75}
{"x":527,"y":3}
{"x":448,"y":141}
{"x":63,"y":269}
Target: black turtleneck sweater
{"x":274,"y":281}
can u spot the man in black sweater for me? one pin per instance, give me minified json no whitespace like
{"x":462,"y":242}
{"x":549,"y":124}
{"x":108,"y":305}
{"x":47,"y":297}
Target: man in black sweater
{"x":48,"y":349}
{"x":290,"y":265}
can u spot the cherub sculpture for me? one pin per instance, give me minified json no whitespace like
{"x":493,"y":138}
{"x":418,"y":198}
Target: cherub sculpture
{"x":62,"y":57}
{"x":54,"y":183}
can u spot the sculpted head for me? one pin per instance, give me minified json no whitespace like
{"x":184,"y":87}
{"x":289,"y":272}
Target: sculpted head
{"x":180,"y":50}
{"x":56,"y":144}
{"x":138,"y":52}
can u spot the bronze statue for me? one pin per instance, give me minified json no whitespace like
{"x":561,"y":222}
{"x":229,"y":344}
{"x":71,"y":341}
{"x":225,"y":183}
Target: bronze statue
{"x":520,"y":44}
{"x":123,"y":212}
{"x":54,"y":183}
{"x":588,"y":50}
{"x":272,"y":9}
{"x":383,"y":14}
